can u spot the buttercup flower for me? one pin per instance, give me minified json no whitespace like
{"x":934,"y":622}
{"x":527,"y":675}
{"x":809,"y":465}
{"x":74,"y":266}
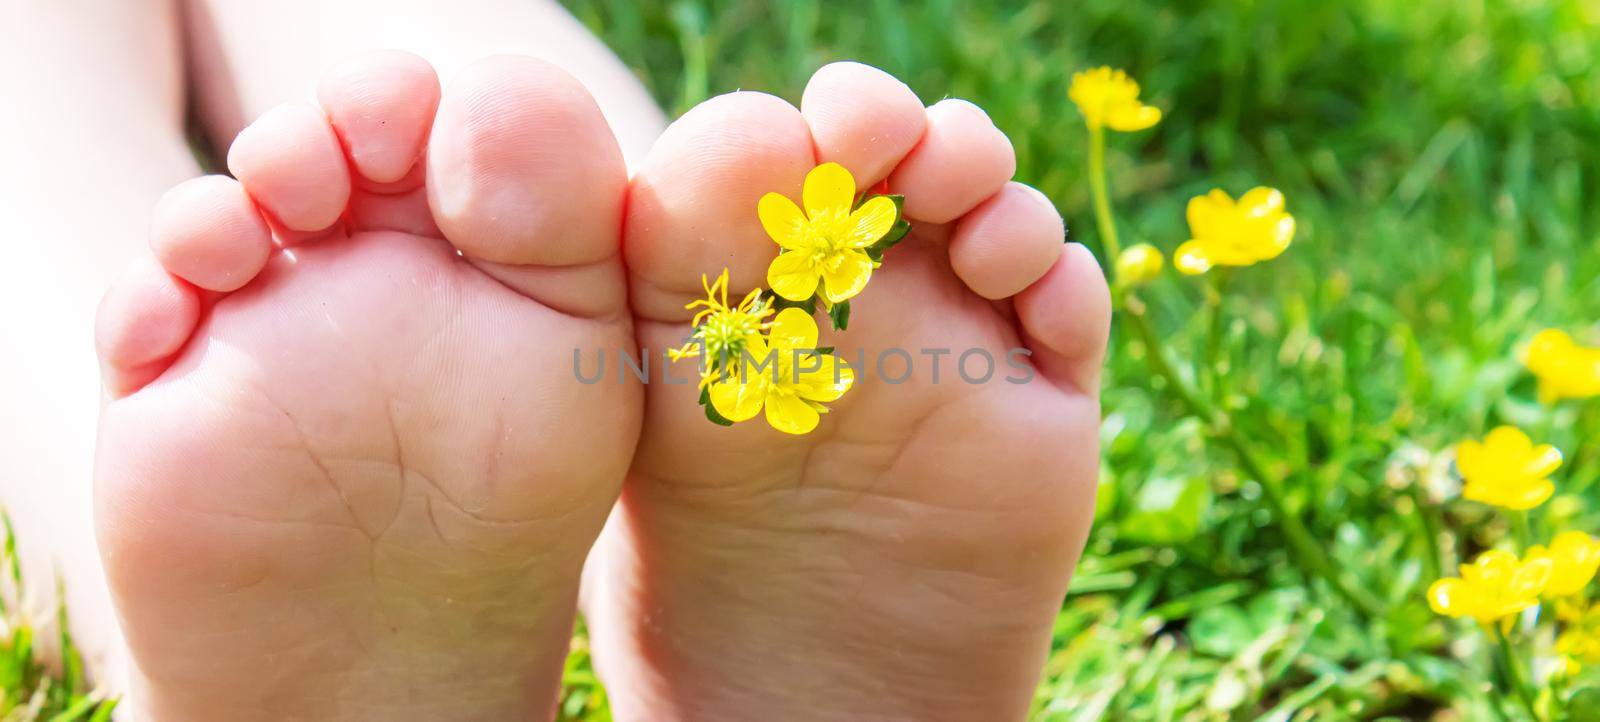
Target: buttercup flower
{"x":1139,"y":264}
{"x":784,"y":374}
{"x":1580,"y":640}
{"x":1229,"y":233}
{"x":1574,"y":557}
{"x":827,"y":243}
{"x":1507,"y":470}
{"x":722,"y":331}
{"x":1565,"y":369}
{"x":1495,"y":586}
{"x":1109,"y":98}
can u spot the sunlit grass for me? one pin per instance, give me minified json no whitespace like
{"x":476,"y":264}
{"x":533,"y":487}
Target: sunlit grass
{"x":30,"y":691}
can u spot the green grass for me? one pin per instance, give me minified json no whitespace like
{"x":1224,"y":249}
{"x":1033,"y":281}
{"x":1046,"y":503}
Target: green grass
{"x":30,"y":691}
{"x":1442,"y":158}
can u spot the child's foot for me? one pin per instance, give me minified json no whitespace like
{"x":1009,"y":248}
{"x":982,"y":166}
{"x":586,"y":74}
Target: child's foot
{"x":357,"y":479}
{"x":905,"y":560}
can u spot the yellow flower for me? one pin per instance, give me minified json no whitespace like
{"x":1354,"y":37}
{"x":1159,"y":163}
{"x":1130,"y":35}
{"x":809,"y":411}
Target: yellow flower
{"x":1139,"y":264}
{"x":1228,"y":233}
{"x":784,"y":374}
{"x":722,"y":331}
{"x":1110,"y":98}
{"x":1574,"y":557}
{"x":1494,"y":586}
{"x":1580,"y":640}
{"x":827,"y":243}
{"x":1565,"y":369}
{"x":1507,"y":470}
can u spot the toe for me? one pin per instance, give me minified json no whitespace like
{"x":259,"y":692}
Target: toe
{"x":290,"y":162}
{"x":381,"y":105}
{"x":1066,"y":317}
{"x":862,"y":118}
{"x":962,"y":160}
{"x":692,"y":206}
{"x":522,"y":168}
{"x":1007,"y":242}
{"x":144,"y":319}
{"x":207,"y":232}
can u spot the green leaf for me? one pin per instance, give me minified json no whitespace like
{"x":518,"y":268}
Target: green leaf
{"x":711,"y":409}
{"x":1168,"y":510}
{"x":1221,"y":631}
{"x":839,"y":314}
{"x":1584,"y":705}
{"x":897,"y":232}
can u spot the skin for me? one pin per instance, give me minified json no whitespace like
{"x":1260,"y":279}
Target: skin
{"x":850,"y":573}
{"x":363,"y":484}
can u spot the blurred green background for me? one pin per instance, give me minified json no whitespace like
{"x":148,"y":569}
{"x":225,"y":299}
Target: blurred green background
{"x":1442,"y":159}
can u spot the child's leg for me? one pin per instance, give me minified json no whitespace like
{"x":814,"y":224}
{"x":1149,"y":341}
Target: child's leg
{"x":250,"y":56}
{"x":92,"y":138}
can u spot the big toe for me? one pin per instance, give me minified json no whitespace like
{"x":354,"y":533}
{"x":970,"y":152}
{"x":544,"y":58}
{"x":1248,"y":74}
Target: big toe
{"x":692,"y":206}
{"x":525,"y":178}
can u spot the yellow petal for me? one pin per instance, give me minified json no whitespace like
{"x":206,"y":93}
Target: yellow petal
{"x":849,"y":274}
{"x":792,"y":276}
{"x":1206,"y":213}
{"x":829,"y":187}
{"x":793,"y":329}
{"x":1260,"y":201}
{"x":1543,"y":461}
{"x":1530,"y":496}
{"x":870,"y":222}
{"x":736,"y":400}
{"x":1192,"y":258}
{"x":782,"y":220}
{"x":1507,"y":440}
{"x":1447,"y":597}
{"x":1281,"y":235}
{"x":1129,"y":118}
{"x":828,"y":382}
{"x":790,"y":414}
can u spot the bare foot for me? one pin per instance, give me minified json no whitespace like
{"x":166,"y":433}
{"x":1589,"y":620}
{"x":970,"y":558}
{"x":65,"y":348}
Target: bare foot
{"x":356,"y":478}
{"x":906,"y":560}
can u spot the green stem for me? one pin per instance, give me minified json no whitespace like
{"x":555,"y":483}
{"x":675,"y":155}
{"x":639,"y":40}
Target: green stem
{"x":1303,"y":545}
{"x":1520,"y":531}
{"x":1102,"y":199}
{"x":1512,"y":667}
{"x":1430,"y":530}
{"x":1216,"y":290}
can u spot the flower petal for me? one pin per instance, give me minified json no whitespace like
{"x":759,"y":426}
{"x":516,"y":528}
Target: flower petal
{"x":1448,"y":597}
{"x":847,"y":275}
{"x":736,"y":400}
{"x":790,"y":414}
{"x":1543,"y":461}
{"x":1132,"y":117}
{"x":1278,"y":239}
{"x":829,"y":187}
{"x":1192,"y":258}
{"x":1207,"y":213}
{"x":792,"y":329}
{"x":793,"y":276}
{"x":1528,"y":497}
{"x":828,"y":382}
{"x":782,"y":220}
{"x":1261,"y":200}
{"x":871,"y":222}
